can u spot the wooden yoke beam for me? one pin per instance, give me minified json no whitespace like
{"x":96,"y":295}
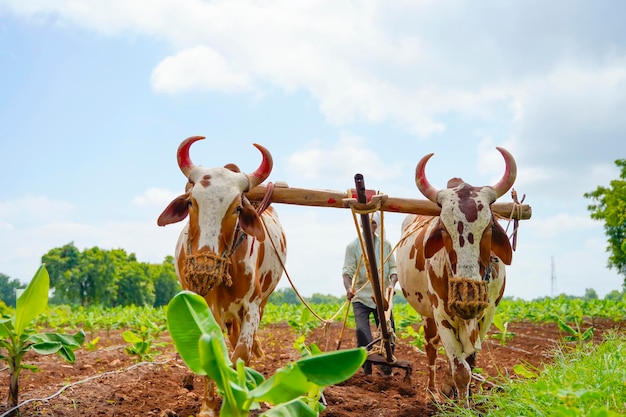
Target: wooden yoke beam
{"x":284,"y":194}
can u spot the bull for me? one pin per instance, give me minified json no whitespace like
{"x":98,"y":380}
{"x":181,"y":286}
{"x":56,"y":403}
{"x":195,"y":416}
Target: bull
{"x":223,"y":252}
{"x":451,"y":270}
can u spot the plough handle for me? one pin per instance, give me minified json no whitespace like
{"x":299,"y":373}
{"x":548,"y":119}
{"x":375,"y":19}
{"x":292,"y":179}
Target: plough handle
{"x":368,"y":237}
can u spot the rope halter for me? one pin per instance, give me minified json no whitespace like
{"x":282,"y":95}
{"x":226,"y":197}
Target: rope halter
{"x":205,"y":270}
{"x":467,"y":297}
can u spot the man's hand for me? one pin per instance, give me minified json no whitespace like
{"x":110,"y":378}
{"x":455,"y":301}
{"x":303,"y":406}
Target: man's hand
{"x":347,"y":284}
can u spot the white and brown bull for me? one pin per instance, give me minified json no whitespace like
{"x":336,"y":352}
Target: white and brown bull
{"x":228,"y":253}
{"x":451,"y":269}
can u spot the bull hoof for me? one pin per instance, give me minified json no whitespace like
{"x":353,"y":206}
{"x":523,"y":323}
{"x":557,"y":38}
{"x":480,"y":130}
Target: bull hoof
{"x":435,"y":397}
{"x":448,"y":391}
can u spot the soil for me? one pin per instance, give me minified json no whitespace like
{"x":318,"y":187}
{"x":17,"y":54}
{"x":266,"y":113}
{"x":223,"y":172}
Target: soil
{"x":108,"y":381}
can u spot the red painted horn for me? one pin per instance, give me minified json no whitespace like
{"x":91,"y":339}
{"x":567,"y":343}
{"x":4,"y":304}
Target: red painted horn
{"x":184,"y":162}
{"x":510,"y":173}
{"x":421,"y":181}
{"x":263,"y":171}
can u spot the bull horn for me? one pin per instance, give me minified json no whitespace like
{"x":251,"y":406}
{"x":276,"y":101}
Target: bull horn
{"x":263,"y":171}
{"x":184,"y":162}
{"x":421,"y":181}
{"x":510,"y":173}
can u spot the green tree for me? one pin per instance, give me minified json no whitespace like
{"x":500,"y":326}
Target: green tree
{"x":166,"y":284}
{"x":284,"y":296}
{"x":590,"y":294}
{"x":609,"y":205}
{"x":614,"y":295}
{"x":60,"y":260}
{"x":318,"y":298}
{"x":7,"y":289}
{"x":133,"y":286}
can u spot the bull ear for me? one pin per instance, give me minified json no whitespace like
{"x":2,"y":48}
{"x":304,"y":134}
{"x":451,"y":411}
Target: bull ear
{"x":176,"y":211}
{"x":250,"y":222}
{"x":500,"y":244}
{"x":434,"y":242}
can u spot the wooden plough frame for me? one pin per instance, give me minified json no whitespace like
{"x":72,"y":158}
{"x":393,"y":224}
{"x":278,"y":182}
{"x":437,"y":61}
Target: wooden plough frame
{"x":362,"y":200}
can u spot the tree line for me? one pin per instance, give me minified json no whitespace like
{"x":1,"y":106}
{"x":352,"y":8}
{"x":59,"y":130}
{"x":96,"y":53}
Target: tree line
{"x":96,"y":276}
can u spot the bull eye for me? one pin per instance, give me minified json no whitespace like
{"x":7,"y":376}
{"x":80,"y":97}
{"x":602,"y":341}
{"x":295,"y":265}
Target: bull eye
{"x":238,"y":210}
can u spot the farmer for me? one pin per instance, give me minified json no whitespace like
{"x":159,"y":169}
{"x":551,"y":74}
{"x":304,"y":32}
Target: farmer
{"x":361,"y":294}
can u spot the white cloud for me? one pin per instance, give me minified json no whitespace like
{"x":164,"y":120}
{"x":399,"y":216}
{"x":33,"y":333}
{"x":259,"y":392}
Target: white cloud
{"x":196,"y":68}
{"x":154,"y":197}
{"x":350,"y":155}
{"x":377,"y":62}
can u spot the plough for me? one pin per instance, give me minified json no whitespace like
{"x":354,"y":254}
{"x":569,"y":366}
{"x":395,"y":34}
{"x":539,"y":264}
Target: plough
{"x":363,"y":202}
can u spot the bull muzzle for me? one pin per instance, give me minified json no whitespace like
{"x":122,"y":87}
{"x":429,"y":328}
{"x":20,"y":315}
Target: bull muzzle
{"x":467,"y":298}
{"x":203,"y":271}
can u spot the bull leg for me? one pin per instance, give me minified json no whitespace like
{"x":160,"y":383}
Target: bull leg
{"x":460,"y":369}
{"x":249,"y":325}
{"x":461,"y":373}
{"x":257,"y":350}
{"x":432,"y":340}
{"x":209,"y":407}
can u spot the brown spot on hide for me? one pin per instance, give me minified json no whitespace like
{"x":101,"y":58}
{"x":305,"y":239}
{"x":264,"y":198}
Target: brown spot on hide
{"x":461,"y":376}
{"x":434,"y":242}
{"x":205,"y":181}
{"x":467,"y":203}
{"x":439,"y":284}
{"x":420,"y":296}
{"x":461,"y":241}
{"x":459,"y":227}
{"x":434,"y":300}
{"x":266,"y":282}
{"x":473,"y":336}
{"x":470,"y":238}
{"x":447,"y":324}
{"x":283,"y":242}
{"x":419,"y":255}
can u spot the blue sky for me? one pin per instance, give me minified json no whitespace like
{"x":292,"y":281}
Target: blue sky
{"x":97,"y":95}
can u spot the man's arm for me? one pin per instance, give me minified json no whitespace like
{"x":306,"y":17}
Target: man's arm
{"x":347,"y":283}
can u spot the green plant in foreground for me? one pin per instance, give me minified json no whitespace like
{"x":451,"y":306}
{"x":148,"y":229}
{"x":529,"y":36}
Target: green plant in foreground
{"x":16,"y":338}
{"x":418,"y":336}
{"x":503,"y":335}
{"x":575,"y":334}
{"x":587,"y":381}
{"x":143,"y":341}
{"x":293,"y":391}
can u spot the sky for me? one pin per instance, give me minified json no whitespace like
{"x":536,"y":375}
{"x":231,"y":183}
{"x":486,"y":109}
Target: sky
{"x":96,"y":96}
